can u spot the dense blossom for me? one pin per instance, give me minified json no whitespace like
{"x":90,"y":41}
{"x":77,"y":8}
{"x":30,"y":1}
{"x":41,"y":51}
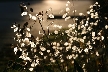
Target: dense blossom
{"x":81,"y":37}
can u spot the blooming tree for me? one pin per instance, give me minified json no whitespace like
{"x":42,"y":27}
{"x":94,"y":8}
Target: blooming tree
{"x":86,"y":38}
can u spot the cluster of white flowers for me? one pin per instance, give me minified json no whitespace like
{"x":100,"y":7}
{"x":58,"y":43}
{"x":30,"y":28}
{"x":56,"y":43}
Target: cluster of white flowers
{"x":77,"y":42}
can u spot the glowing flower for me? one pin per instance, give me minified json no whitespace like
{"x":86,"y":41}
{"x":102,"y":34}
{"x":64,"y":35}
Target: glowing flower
{"x":30,"y":15}
{"x":93,"y":33}
{"x":86,"y":50}
{"x":28,"y":34}
{"x":15,"y":50}
{"x":68,"y":1}
{"x":26,"y":41}
{"x":13,"y":26}
{"x":97,"y":53}
{"x":81,"y":14}
{"x":31,"y":69}
{"x":96,"y":3}
{"x":88,"y":12}
{"x":28,"y":29}
{"x":24,"y":13}
{"x":32,"y":44}
{"x":51,"y":16}
{"x":66,"y":43}
{"x":102,"y":37}
{"x":58,"y":44}
{"x":106,"y":26}
{"x":67,"y":10}
{"x":70,"y":25}
{"x":64,"y":15}
{"x":74,"y":11}
{"x":74,"y":48}
{"x":67,"y":18}
{"x":22,"y":44}
{"x":16,"y":29}
{"x":48,"y":51}
{"x":62,"y":60}
{"x":42,"y":48}
{"x":34,"y":17}
{"x":56,"y":32}
{"x":66,"y":4}
{"x":41,"y":53}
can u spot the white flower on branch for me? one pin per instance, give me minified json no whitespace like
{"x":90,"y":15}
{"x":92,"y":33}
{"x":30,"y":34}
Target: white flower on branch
{"x":88,"y":12}
{"x":86,"y":50}
{"x":15,"y":50}
{"x":28,"y":29}
{"x":15,"y":29}
{"x":58,"y":44}
{"x":93,"y":33}
{"x":86,"y":24}
{"x":34,"y":17}
{"x":62,"y":60}
{"x":54,"y":43}
{"x":102,"y":37}
{"x":97,"y":54}
{"x":32,"y":44}
{"x":31,"y":69}
{"x":91,"y":6}
{"x":41,"y":53}
{"x":51,"y":16}
{"x":67,"y":9}
{"x":24,"y":13}
{"x":26,"y":41}
{"x":42,"y":48}
{"x":98,"y":38}
{"x":106,"y":26}
{"x":106,"y":18}
{"x":69,"y":57}
{"x":66,"y":4}
{"x":56,"y":32}
{"x":34,"y":64}
{"x":24,"y":57}
{"x":70,"y":25}
{"x":25,"y":7}
{"x":84,"y":37}
{"x":81,"y":14}
{"x":67,"y":18}
{"x":48,"y":51}
{"x":52,"y":60}
{"x":13,"y":26}
{"x":22,"y":44}
{"x":74,"y":11}
{"x":74,"y":48}
{"x":64,"y":15}
{"x":28,"y":34}
{"x":30,"y":15}
{"x":96,"y":3}
{"x":66,"y":43}
{"x":54,"y":47}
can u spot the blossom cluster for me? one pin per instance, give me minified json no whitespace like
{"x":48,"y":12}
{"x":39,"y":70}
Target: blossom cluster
{"x":81,"y":37}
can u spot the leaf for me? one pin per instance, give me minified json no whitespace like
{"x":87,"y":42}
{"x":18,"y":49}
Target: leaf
{"x":22,"y":8}
{"x":16,"y":66}
{"x":31,"y":9}
{"x":77,"y":67}
{"x":19,"y":60}
{"x":19,"y":53}
{"x":48,"y":68}
{"x":25,"y":24}
{"x":28,"y":3}
{"x":10,"y":63}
